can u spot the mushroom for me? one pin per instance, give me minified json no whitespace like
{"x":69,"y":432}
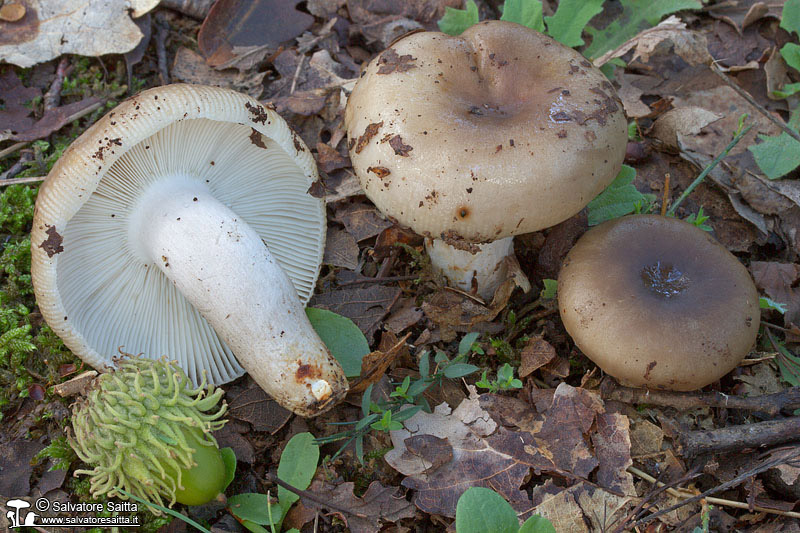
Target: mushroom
{"x":149,"y":233}
{"x":657,"y":302}
{"x":470,"y":140}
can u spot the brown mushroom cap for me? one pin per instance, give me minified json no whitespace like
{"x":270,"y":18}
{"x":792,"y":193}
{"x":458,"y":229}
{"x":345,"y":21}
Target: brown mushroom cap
{"x":657,"y":302}
{"x":493,"y":133}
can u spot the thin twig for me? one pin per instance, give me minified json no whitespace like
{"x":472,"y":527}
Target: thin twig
{"x":310,"y":496}
{"x":725,"y":486}
{"x":665,"y":198}
{"x":17,"y":181}
{"x":52,"y":97}
{"x":771,"y":404}
{"x":761,"y":109}
{"x":13,"y":148}
{"x":377,"y":280}
{"x":714,"y":501}
{"x":658,"y":489}
{"x":741,"y":132}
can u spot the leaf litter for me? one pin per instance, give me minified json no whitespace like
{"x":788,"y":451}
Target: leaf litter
{"x":560,"y":452}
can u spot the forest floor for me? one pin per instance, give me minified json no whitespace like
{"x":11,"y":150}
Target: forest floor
{"x":593,"y":450}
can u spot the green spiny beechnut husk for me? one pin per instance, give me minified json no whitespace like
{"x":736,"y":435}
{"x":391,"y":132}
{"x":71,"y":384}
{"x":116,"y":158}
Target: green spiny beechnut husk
{"x":132,"y":428}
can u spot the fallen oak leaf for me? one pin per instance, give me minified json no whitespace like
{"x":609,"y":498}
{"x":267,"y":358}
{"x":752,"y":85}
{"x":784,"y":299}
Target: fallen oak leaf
{"x":379,"y":504}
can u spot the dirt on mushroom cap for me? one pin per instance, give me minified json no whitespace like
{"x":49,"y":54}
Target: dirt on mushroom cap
{"x":501,"y":123}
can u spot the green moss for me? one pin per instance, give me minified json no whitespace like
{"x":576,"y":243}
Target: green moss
{"x":27,"y":346}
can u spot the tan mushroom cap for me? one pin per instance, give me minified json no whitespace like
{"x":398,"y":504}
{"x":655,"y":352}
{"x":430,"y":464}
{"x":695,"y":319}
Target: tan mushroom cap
{"x":497,"y":132}
{"x":657,"y":302}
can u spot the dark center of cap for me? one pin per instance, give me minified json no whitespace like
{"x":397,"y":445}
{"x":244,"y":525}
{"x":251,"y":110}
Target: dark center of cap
{"x":664,"y":279}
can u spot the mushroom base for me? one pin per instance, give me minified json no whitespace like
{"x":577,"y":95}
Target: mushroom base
{"x":223,"y":268}
{"x":482,"y":272}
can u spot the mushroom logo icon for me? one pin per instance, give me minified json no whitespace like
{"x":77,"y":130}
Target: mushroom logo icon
{"x":13,"y":516}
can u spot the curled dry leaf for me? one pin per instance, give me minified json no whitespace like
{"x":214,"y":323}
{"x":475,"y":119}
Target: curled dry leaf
{"x":50,"y":28}
{"x":690,"y":45}
{"x":677,"y":123}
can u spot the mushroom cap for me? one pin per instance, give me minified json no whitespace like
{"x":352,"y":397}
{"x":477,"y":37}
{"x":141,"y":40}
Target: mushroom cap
{"x":657,"y":302}
{"x":497,"y":132}
{"x":92,"y":289}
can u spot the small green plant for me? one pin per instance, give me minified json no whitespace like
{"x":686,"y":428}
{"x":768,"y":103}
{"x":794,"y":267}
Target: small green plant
{"x":482,"y":510}
{"x":698,"y":219}
{"x":777,"y":156}
{"x":505,"y":380}
{"x":571,"y":19}
{"x":766,"y":303}
{"x":407,"y":398}
{"x":297,"y":466}
{"x":60,"y":452}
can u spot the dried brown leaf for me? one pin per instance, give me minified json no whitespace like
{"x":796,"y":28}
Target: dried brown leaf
{"x":51,"y":28}
{"x":777,"y":281}
{"x":239,"y":33}
{"x":364,"y":305}
{"x":189,"y":66}
{"x":379,"y":505}
{"x":341,"y":249}
{"x":681,"y":122}
{"x":612,"y":444}
{"x":253,"y":405}
{"x":15,"y":464}
{"x":375,"y":364}
{"x":688,"y":44}
{"x":361,"y":220}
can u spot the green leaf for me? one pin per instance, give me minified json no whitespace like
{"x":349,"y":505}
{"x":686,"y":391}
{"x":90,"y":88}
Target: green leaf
{"x":297,"y":467}
{"x":505,"y":373}
{"x":466,"y":343}
{"x":570,"y":18}
{"x":618,"y":199}
{"x":405,"y":414}
{"x":537,"y":524}
{"x":791,"y":54}
{"x":789,"y":365}
{"x":636,"y":15}
{"x":229,"y":460}
{"x":550,"y":289}
{"x":766,"y":303}
{"x":790,"y":18}
{"x":482,"y":510}
{"x":425,"y":364}
{"x":525,"y":12}
{"x":366,"y":400}
{"x":251,"y":506}
{"x":456,"y":21}
{"x":459,"y":370}
{"x":342,"y":337}
{"x":787,"y":90}
{"x":777,"y":156}
{"x":255,"y":528}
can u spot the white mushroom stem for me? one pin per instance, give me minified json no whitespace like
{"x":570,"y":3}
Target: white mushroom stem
{"x":224,"y":269}
{"x":484,"y":270}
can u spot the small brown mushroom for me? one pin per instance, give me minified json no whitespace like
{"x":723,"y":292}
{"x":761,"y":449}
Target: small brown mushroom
{"x":657,"y":302}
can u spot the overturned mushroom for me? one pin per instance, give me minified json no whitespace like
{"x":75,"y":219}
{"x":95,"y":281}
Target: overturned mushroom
{"x":657,"y":302}
{"x":470,"y":140}
{"x":150,"y":234}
